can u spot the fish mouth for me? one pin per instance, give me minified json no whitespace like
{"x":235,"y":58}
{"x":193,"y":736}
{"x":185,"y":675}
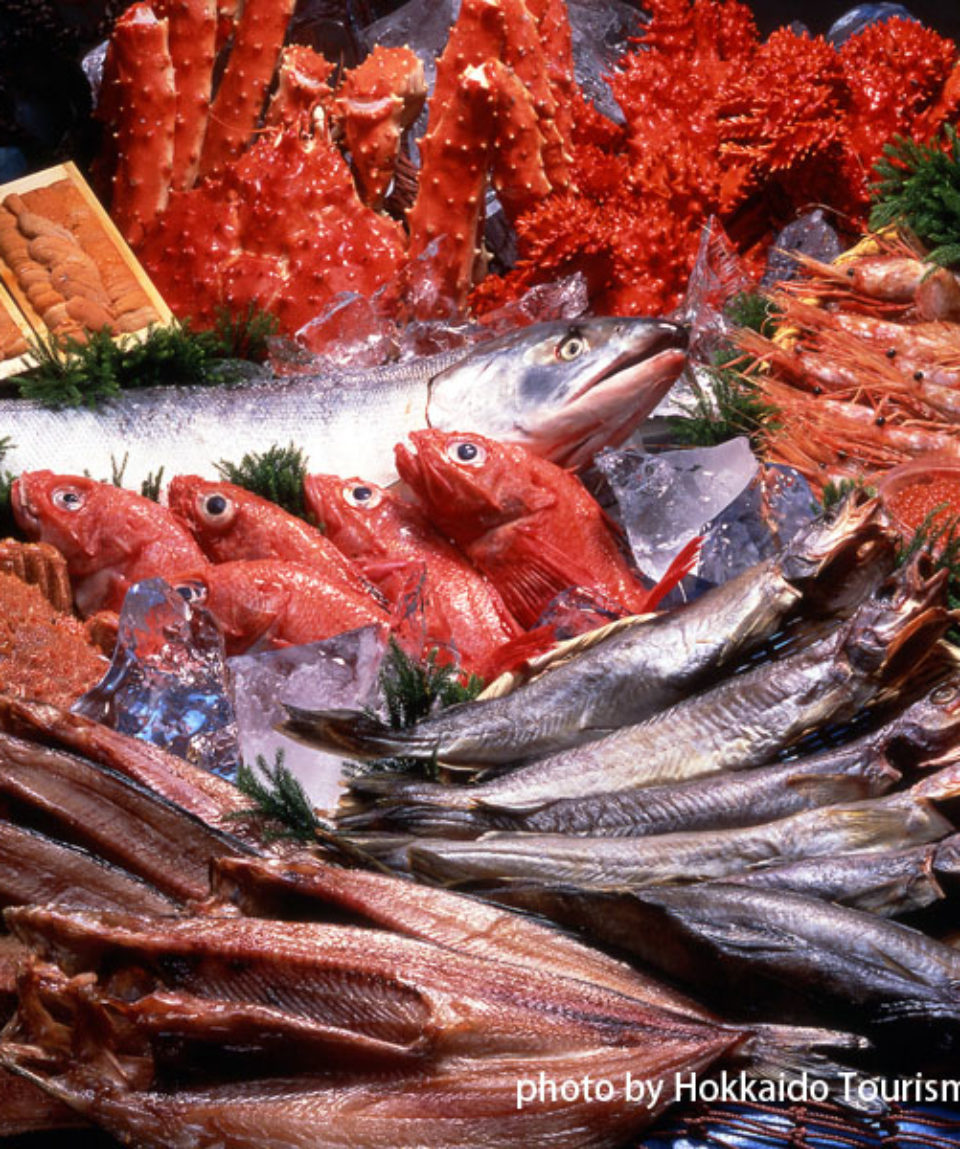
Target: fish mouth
{"x":610,"y":405}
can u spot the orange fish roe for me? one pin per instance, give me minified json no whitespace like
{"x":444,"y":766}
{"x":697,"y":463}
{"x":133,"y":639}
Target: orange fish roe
{"x":44,"y":654}
{"x":911,"y":504}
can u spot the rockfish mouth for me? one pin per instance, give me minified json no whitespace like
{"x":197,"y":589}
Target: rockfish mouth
{"x":565,"y":390}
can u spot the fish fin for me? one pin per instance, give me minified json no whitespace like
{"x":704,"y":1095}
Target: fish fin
{"x":682,"y":564}
{"x":822,"y":789}
{"x":528,"y":570}
{"x":514,"y":655}
{"x":791,"y":1052}
{"x":352,"y":732}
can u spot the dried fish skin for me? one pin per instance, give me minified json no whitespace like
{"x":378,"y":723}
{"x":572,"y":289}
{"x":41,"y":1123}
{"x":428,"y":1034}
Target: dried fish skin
{"x":715,"y":802}
{"x":637,"y":670}
{"x":702,"y":855}
{"x":459,"y":1105}
{"x":746,"y":719}
{"x":211,"y":799}
{"x":889,"y":972}
{"x":889,"y":883}
{"x":379,"y":985}
{"x":306,"y":888}
{"x":36,"y":869}
{"x":121,"y":821}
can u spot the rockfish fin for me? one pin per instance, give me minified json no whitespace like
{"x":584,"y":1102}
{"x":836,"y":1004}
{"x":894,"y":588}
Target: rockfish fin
{"x":536,"y":571}
{"x":682,"y":564}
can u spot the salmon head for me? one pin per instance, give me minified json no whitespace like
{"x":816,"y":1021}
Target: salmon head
{"x":469,"y":484}
{"x":97,"y":525}
{"x":563,"y":389}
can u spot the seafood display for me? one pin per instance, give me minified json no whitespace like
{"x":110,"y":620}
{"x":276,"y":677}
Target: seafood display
{"x":509,"y":690}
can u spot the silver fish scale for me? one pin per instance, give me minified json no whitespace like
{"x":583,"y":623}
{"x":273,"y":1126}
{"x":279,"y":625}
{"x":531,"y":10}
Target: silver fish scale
{"x":347,"y":423}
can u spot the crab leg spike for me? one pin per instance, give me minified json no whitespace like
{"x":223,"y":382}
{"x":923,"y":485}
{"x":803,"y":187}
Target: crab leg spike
{"x":193,"y":35}
{"x":236,"y":107}
{"x":455,"y":155}
{"x":376,"y":102}
{"x":146,"y":108}
{"x":302,"y":88}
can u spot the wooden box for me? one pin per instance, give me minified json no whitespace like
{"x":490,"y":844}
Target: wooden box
{"x":66,"y":270}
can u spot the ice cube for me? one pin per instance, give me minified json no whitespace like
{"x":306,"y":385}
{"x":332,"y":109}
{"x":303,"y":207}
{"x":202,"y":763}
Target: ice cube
{"x":167,"y":679}
{"x":338,"y":672}
{"x":666,"y":499}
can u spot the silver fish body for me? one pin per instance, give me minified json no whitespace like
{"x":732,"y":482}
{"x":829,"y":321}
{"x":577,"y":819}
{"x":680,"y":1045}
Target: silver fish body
{"x":348,"y":423}
{"x":747,"y":719}
{"x":743,"y":798}
{"x":632,"y":672}
{"x":890,"y":883}
{"x":634,"y":863}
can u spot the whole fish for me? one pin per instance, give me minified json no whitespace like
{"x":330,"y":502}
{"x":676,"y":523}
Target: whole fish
{"x":639,"y":668}
{"x":392,"y":541}
{"x":775,"y":952}
{"x":879,"y":972}
{"x":265,"y":604}
{"x":451,"y":1020}
{"x":565,"y":389}
{"x":716,"y":802}
{"x":110,"y":537}
{"x":695,"y":856}
{"x":747,"y":719}
{"x":532,"y":528}
{"x":231,"y":523}
{"x":929,"y":726}
{"x":890,"y":883}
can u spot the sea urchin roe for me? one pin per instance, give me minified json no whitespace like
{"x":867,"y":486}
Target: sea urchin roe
{"x":44,"y":654}
{"x":911,"y":504}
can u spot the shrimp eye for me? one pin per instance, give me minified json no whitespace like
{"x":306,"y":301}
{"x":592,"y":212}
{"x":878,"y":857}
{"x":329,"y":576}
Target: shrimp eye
{"x":943,"y":694}
{"x":467,"y":452}
{"x":216,"y":508}
{"x":67,"y":498}
{"x":362,"y":496}
{"x":192,"y":592}
{"x":571,"y":348}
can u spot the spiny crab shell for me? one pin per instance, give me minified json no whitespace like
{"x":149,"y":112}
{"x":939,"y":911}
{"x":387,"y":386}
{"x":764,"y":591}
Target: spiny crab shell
{"x":221,"y":213}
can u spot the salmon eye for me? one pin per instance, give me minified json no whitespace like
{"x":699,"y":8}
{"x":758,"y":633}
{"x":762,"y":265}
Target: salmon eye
{"x":467,"y":452}
{"x":67,"y":498}
{"x":362,"y":496}
{"x":192,"y":592}
{"x":571,"y":348}
{"x":216,"y":508}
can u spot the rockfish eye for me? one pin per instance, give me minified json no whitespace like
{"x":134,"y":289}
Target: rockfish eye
{"x":465,"y":451}
{"x":192,"y":592}
{"x":571,"y":348}
{"x":943,"y":694}
{"x":216,"y":508}
{"x":362,"y":496}
{"x":67,"y":498}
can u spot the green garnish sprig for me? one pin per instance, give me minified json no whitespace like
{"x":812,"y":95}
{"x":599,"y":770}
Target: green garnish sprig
{"x":834,"y":493}
{"x":69,"y":373}
{"x":728,"y":404}
{"x":277,"y":474}
{"x":280,"y":807}
{"x":412,"y":690}
{"x":918,"y":185}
